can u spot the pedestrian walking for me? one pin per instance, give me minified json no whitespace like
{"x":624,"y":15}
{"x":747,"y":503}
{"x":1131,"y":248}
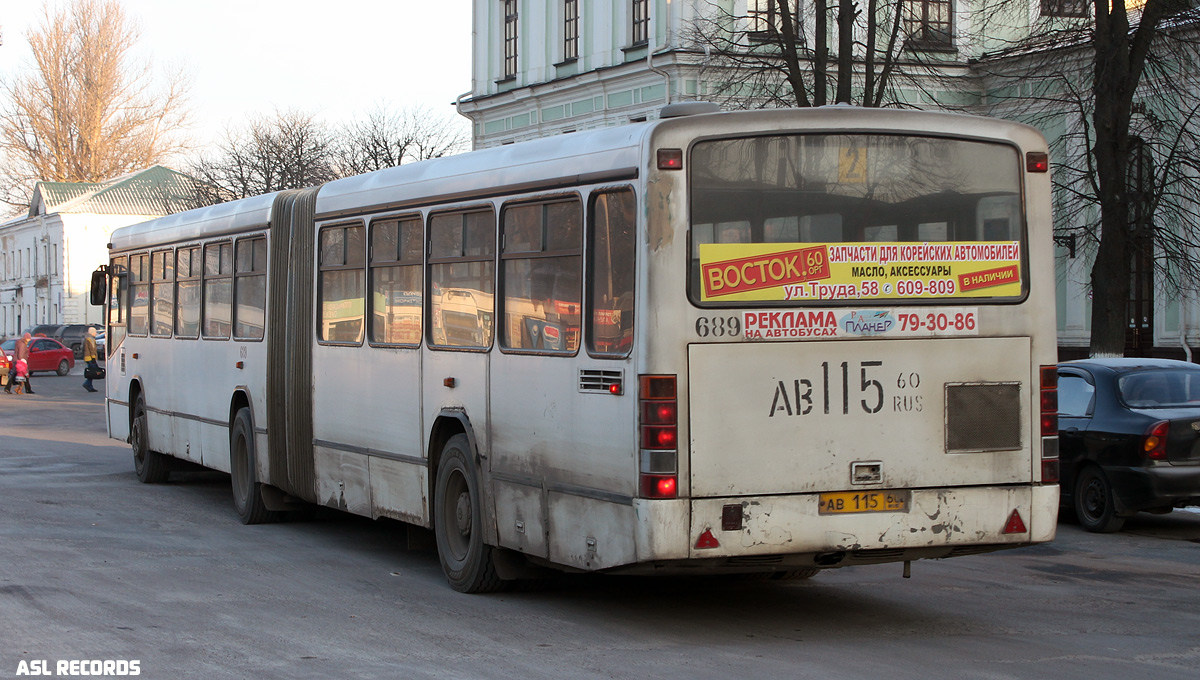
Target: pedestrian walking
{"x":21,"y":353}
{"x":89,"y":356}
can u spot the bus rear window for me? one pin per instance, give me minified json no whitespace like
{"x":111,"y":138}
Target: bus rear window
{"x":832,"y":219}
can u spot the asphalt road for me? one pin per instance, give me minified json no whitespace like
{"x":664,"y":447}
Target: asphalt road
{"x":95,"y":566}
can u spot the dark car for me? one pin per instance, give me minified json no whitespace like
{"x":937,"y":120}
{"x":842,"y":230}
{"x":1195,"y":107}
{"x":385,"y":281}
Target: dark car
{"x":46,"y":330}
{"x":44,"y":355}
{"x":71,"y":335}
{"x":1129,"y":438}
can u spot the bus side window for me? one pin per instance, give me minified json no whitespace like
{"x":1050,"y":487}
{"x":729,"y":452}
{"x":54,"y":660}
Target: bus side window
{"x":187,"y":292}
{"x":162,"y":292}
{"x":341,"y":295}
{"x":250,"y":288}
{"x":612,"y":229}
{"x":139,"y":294}
{"x":396,"y":281}
{"x":218,"y":290}
{"x":462,"y":250}
{"x":542,"y":276}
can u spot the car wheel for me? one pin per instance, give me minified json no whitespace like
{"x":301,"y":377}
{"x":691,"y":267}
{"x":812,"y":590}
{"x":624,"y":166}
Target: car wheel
{"x":1094,"y":503}
{"x":63,"y":367}
{"x":457,"y":522}
{"x":151,"y":466}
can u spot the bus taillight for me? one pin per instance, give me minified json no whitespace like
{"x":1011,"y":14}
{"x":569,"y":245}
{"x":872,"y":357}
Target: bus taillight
{"x":1049,"y":423}
{"x":658,"y":436}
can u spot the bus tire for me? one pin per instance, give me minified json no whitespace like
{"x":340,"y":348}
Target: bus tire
{"x":247,"y":491}
{"x":457,"y":524}
{"x":1094,"y":504}
{"x":151,"y":466}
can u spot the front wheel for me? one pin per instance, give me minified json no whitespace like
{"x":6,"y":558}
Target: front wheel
{"x":1094,"y":502}
{"x":151,"y":466}
{"x":457,"y":525}
{"x":63,"y":367}
{"x":247,"y":491}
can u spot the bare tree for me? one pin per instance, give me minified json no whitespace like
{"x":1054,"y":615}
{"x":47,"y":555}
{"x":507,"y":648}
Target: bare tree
{"x":386,"y":138}
{"x":289,"y":150}
{"x":87,"y":111}
{"x":778,"y":52}
{"x":1120,"y":102}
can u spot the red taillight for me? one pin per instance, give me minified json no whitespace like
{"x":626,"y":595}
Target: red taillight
{"x":1050,"y":471}
{"x":1154,"y":443}
{"x":659,"y":486}
{"x":658,"y":436}
{"x":670,"y":159}
{"x":1037,"y":161}
{"x":1049,"y":401}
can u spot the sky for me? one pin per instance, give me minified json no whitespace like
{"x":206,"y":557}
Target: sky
{"x":248,"y":58}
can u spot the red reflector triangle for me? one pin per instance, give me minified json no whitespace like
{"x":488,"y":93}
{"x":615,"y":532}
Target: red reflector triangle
{"x":707,"y":540}
{"x":1015,"y":525}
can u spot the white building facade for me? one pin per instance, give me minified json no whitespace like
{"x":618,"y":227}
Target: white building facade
{"x":48,"y":255}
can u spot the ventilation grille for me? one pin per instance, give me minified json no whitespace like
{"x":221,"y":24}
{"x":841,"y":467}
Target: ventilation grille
{"x":593,"y":380}
{"x":754,"y":560}
{"x":983,"y":417}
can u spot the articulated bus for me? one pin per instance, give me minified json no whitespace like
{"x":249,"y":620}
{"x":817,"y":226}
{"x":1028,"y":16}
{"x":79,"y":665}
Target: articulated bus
{"x":716,"y":342}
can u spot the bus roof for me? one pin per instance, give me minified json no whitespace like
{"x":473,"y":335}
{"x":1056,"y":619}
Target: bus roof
{"x":213,"y":220}
{"x":563,"y":160}
{"x":607,"y":154}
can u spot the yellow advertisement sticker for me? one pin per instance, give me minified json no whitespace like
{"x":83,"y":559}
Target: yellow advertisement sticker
{"x":777,"y":272}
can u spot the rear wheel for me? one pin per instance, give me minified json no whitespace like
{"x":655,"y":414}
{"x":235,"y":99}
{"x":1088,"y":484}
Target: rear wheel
{"x":151,"y":466}
{"x":63,"y":367}
{"x":1094,"y":502}
{"x":457,"y":523}
{"x":247,"y":492}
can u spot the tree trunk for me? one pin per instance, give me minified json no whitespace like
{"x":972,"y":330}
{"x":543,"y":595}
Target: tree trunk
{"x":821,"y":54}
{"x":846,"y":11}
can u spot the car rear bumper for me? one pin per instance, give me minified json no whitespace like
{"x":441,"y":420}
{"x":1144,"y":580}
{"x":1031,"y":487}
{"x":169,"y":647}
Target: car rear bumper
{"x":1138,"y":488}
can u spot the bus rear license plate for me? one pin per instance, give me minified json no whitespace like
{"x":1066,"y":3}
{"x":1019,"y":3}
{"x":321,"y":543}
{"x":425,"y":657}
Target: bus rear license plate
{"x":844,"y":502}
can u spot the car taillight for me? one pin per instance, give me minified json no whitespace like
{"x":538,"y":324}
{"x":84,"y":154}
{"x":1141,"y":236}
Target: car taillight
{"x":658,"y":436}
{"x":1048,"y":412}
{"x":1154,"y":442}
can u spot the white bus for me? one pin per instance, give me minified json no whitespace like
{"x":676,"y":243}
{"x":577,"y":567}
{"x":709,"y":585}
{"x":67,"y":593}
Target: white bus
{"x":771,"y":341}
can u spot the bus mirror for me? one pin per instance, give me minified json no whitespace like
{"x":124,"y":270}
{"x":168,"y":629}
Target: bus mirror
{"x":99,"y":285}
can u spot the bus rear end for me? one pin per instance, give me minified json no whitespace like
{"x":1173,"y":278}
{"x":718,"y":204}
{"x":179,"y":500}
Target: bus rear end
{"x":864,"y":368}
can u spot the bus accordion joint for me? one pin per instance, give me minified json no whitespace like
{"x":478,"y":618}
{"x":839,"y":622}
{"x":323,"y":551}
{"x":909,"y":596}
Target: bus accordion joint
{"x":658,"y":436}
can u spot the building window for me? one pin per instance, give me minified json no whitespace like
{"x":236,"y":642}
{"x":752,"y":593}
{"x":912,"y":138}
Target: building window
{"x":570,"y":29}
{"x":510,"y":39}
{"x":218,"y":290}
{"x":611,"y":247}
{"x":462,"y":248}
{"x":641,"y":21}
{"x":187,"y":292}
{"x":250,"y":289}
{"x":162,"y":293}
{"x":396,"y":281}
{"x":927,"y":23}
{"x":764,"y":18}
{"x":543,"y":276}
{"x":1064,"y":8}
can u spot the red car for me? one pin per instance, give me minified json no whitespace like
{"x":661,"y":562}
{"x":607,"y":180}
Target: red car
{"x":45,"y":354}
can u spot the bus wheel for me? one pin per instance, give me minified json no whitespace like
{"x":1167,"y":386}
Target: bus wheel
{"x":247,"y":492}
{"x":1094,"y":502}
{"x":457,"y":525}
{"x":151,"y":466}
